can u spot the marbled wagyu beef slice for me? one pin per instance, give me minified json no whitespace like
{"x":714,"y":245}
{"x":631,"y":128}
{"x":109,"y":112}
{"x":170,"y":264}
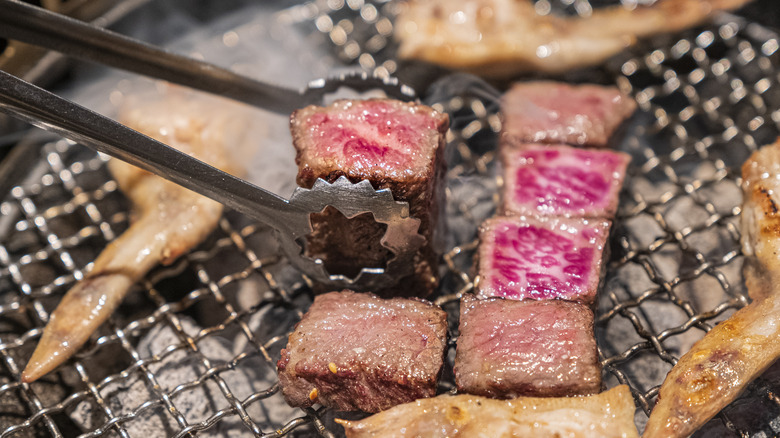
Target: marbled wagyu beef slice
{"x":540,"y":258}
{"x":559,"y":180}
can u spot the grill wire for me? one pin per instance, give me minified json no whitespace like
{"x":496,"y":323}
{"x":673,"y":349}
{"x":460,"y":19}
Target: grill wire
{"x":707,"y":98}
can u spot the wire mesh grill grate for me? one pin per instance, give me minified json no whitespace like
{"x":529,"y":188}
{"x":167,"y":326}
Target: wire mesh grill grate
{"x":707,"y":98}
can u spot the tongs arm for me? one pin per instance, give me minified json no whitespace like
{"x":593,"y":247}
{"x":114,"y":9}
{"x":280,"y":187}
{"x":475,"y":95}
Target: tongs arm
{"x":48,"y":111}
{"x":290,"y":218}
{"x":37,"y":26}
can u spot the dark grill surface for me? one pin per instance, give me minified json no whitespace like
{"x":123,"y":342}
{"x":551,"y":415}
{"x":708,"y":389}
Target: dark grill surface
{"x":192,"y":350}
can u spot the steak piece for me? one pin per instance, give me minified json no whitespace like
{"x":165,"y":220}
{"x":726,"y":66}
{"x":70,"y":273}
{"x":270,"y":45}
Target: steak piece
{"x":510,"y":348}
{"x":356,"y":351}
{"x":393,"y":144}
{"x":523,"y":257}
{"x":562,"y":181}
{"x":554,"y":112}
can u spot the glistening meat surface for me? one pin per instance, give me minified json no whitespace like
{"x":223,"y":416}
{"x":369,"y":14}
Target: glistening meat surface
{"x":559,"y":180}
{"x":524,"y":257}
{"x":392,"y":144}
{"x":504,"y":37}
{"x":556,"y":112}
{"x":356,"y":351}
{"x":736,"y":351}
{"x":509,"y":348}
{"x":376,"y":138}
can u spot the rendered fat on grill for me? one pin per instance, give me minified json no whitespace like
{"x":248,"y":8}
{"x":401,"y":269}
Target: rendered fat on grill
{"x":393,"y":144}
{"x":509,"y":348}
{"x":541,"y":258}
{"x":606,"y":415}
{"x":356,"y":351}
{"x":555,"y":112}
{"x":560,"y":180}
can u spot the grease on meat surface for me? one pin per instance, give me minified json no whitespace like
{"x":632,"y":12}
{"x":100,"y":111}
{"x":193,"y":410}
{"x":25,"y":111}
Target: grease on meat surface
{"x":553,"y":112}
{"x":609,"y":414}
{"x":169,"y":220}
{"x":355,"y":351}
{"x":504,"y":37}
{"x":541,"y":258}
{"x":761,"y":220}
{"x":395,"y":145}
{"x":559,"y":180}
{"x":509,"y":348}
{"x":736,"y":351}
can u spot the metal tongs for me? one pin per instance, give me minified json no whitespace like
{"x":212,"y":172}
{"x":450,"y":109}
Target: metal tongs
{"x":290,"y":218}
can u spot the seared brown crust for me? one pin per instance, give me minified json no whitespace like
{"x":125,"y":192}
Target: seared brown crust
{"x":355,"y":351}
{"x":424,"y":192}
{"x":510,"y":348}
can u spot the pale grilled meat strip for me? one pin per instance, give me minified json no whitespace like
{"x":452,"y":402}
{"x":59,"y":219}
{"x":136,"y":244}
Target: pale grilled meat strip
{"x":504,"y":37}
{"x":606,"y":415}
{"x":719,"y":366}
{"x":170,"y":220}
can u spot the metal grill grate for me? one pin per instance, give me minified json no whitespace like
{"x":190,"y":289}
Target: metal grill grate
{"x":707,"y":99}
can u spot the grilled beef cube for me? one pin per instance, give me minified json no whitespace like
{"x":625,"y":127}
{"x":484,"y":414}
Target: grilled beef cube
{"x":393,"y":144}
{"x":523,"y":257}
{"x":554,"y":112}
{"x":509,"y":348}
{"x":560,"y":180}
{"x":356,"y":351}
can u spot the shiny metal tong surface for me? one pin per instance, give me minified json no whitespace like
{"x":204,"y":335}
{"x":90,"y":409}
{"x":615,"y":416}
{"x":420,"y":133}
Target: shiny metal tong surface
{"x":37,"y":26}
{"x":290,"y":218}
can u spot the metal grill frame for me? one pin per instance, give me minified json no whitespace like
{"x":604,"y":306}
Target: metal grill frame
{"x":88,"y":195}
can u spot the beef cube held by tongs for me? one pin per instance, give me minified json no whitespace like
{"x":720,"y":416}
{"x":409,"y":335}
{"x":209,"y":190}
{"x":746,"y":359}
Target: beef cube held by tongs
{"x":289,"y":217}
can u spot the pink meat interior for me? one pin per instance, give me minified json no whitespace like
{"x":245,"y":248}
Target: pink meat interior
{"x":550,"y":258}
{"x":561,"y":180}
{"x":381,"y":137}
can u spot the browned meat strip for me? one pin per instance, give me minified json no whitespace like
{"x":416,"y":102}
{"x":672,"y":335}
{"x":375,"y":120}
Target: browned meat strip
{"x":394,"y":145}
{"x":356,"y":351}
{"x":510,"y":348}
